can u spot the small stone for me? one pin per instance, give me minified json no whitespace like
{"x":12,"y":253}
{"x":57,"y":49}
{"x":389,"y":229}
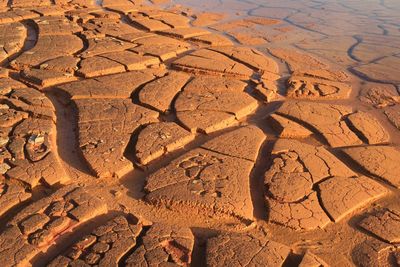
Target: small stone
{"x":4,"y":141}
{"x":116,"y":193}
{"x":92,"y":258}
{"x":101,"y":247}
{"x":36,"y":139}
{"x":4,"y":167}
{"x":85,"y":242}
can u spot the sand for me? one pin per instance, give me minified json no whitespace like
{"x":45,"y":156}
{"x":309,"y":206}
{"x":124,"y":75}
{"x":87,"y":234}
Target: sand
{"x":199,"y":133}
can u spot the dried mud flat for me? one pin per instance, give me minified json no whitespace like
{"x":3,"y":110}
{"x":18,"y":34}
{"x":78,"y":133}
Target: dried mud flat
{"x":226,"y":133}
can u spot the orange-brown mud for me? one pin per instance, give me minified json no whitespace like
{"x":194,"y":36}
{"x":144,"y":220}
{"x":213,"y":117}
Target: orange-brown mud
{"x":199,"y":133}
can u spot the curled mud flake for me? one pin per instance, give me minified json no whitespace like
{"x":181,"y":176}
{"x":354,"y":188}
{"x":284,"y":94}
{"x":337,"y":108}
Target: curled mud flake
{"x":249,"y":57}
{"x":160,"y":93}
{"x":35,"y":111}
{"x":160,"y":46}
{"x":103,"y":136}
{"x":10,"y":117}
{"x":58,"y":208}
{"x":147,"y":23}
{"x":383,"y":224}
{"x":98,"y":46}
{"x":7,"y":85}
{"x":11,"y":194}
{"x":12,"y":38}
{"x":211,"y":40}
{"x":267,"y":89}
{"x":393,"y":114}
{"x":132,"y":61}
{"x":287,"y":128}
{"x":98,"y":248}
{"x":34,"y":126}
{"x":109,"y":86}
{"x":102,"y":27}
{"x":311,"y":260}
{"x":311,"y":88}
{"x":33,"y":161}
{"x":47,"y":170}
{"x":106,"y":14}
{"x":244,"y":250}
{"x":373,"y":252}
{"x":241,"y":143}
{"x":16,"y":148}
{"x":46,"y":78}
{"x":206,"y":121}
{"x":208,"y":185}
{"x":290,"y":184}
{"x":16,"y":15}
{"x":174,"y":19}
{"x":316,"y":160}
{"x":214,"y":182}
{"x":381,"y":161}
{"x":98,"y":66}
{"x":124,"y":7}
{"x":158,"y":139}
{"x":306,"y":214}
{"x":163,"y":244}
{"x":32,"y":97}
{"x":325,"y":119}
{"x":184,"y":33}
{"x":341,"y":196}
{"x":323,"y":75}
{"x":47,"y":48}
{"x":211,"y":62}
{"x":289,"y":187}
{"x":56,"y":26}
{"x":25,"y":4}
{"x":49,"y":10}
{"x":380,"y":95}
{"x":210,"y":103}
{"x":33,"y":223}
{"x":32,"y":232}
{"x":369,"y":128}
{"x":92,"y":258}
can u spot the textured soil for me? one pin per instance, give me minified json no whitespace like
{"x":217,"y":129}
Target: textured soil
{"x":199,"y":133}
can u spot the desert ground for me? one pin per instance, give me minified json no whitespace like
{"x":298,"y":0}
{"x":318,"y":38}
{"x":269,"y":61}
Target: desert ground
{"x":200,"y":133}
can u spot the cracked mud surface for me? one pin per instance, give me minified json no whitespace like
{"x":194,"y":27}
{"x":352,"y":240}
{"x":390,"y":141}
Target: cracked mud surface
{"x":199,"y":133}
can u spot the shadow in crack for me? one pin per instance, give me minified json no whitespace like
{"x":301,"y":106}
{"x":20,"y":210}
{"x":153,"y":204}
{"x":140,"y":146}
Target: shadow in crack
{"x":67,"y":135}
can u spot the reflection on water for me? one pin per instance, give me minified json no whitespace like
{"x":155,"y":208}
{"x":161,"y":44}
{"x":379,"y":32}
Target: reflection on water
{"x":361,"y":35}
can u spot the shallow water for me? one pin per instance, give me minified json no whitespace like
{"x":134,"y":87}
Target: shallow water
{"x":350,"y":33}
